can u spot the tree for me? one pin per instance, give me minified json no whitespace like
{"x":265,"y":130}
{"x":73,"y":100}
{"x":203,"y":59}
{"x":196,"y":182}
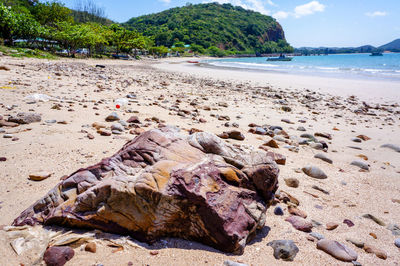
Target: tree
{"x":49,"y":13}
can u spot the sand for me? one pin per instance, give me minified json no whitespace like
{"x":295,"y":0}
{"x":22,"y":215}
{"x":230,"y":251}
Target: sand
{"x":252,"y":98}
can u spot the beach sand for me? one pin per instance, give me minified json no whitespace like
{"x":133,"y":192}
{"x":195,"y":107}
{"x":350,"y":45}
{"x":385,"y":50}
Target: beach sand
{"x":86,"y":94}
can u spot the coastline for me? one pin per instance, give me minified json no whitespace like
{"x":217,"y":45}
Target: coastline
{"x":86,"y":94}
{"x":379,"y":91}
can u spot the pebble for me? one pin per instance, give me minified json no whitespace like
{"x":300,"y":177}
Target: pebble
{"x":39,"y":176}
{"x":278,"y":211}
{"x":300,"y":223}
{"x":8,"y":136}
{"x":337,"y":250}
{"x":317,"y":236}
{"x":272,"y":143}
{"x":294,"y":211}
{"x":348,"y":222}
{"x":3,"y":159}
{"x":2,"y":130}
{"x":53,"y":121}
{"x":112,"y":117}
{"x":360,"y":164}
{"x":392,"y":147}
{"x":292,"y":182}
{"x":323,"y":135}
{"x":356,"y":140}
{"x":58,"y":256}
{"x":284,"y":249}
{"x":363,"y":137}
{"x":314,"y":172}
{"x":90,"y":247}
{"x":355,"y":242}
{"x":331,"y":226}
{"x":301,"y":128}
{"x":317,"y":146}
{"x":397,"y":242}
{"x":394,"y":228}
{"x":117,"y":127}
{"x":234,"y":134}
{"x":104,"y":132}
{"x":378,"y":252}
{"x":97,"y":125}
{"x":323,"y":157}
{"x":233,"y":263}
{"x":375,"y":219}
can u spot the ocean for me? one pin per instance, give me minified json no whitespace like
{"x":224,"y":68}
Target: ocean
{"x":362,"y":66}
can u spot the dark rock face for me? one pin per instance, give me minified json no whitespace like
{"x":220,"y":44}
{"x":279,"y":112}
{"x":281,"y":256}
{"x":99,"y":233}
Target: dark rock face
{"x":58,"y":256}
{"x":162,"y":184}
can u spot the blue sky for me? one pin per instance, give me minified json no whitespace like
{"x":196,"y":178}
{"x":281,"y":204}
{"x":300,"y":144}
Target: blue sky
{"x":305,"y":22}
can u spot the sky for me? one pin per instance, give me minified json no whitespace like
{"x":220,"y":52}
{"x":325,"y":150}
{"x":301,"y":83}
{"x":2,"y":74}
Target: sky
{"x":315,"y":23}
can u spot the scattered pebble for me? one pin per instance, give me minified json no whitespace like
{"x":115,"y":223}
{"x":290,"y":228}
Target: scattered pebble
{"x":314,"y":172}
{"x":337,"y":250}
{"x":284,"y":249}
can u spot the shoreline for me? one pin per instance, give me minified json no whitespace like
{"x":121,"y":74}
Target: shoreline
{"x":366,"y":89}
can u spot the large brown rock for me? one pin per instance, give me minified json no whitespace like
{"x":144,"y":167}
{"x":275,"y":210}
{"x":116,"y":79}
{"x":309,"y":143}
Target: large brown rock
{"x":163,"y":184}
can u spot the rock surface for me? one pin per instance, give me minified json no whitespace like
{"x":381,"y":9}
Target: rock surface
{"x":25,"y":118}
{"x":337,"y":250}
{"x":284,"y":249}
{"x":164,"y":183}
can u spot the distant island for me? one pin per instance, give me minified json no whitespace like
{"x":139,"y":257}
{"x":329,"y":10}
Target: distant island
{"x":393,"y":46}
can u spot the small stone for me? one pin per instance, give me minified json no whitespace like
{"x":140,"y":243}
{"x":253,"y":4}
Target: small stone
{"x":292,"y":182}
{"x":300,"y":223}
{"x":378,"y":252}
{"x":260,"y":131}
{"x":323,"y":135}
{"x":90,"y":136}
{"x":117,"y":127}
{"x":331,"y":226}
{"x":337,"y":250}
{"x":363,"y":137}
{"x":234,"y":134}
{"x":5,"y":68}
{"x":317,"y":236}
{"x":360,"y":164}
{"x":278,"y":211}
{"x":133,"y":119}
{"x":39,"y":176}
{"x":355,"y":242}
{"x":323,"y":157}
{"x":154,"y":252}
{"x":272,"y":143}
{"x":97,"y":125}
{"x":375,"y":219}
{"x":8,"y":136}
{"x":58,"y":256}
{"x":397,"y":242}
{"x":294,"y":211}
{"x":394,"y":228}
{"x":104,"y":132}
{"x":301,"y":128}
{"x":90,"y":247}
{"x":3,"y":159}
{"x":357,"y":140}
{"x":314,"y":172}
{"x":373,"y":235}
{"x":112,"y":117}
{"x":348,"y":222}
{"x":233,"y":263}
{"x":284,"y":249}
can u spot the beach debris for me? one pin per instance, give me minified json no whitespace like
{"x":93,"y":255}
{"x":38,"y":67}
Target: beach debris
{"x":300,"y":223}
{"x":58,"y":256}
{"x":314,"y":172}
{"x":25,"y":118}
{"x":284,"y":249}
{"x":171,"y":177}
{"x":37,"y":97}
{"x":337,"y":250}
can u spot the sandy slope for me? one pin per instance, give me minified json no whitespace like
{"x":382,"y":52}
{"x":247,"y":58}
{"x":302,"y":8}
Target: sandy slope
{"x":63,"y":148}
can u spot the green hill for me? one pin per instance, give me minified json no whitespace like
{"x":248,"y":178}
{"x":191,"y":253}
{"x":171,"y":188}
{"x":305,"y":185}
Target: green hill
{"x":224,"y":26}
{"x":393,"y":46}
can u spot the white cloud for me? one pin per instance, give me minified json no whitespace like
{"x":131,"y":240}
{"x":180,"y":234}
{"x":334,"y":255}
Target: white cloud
{"x":255,"y":5}
{"x":281,"y":15}
{"x":376,"y":14}
{"x":165,"y":1}
{"x":308,"y":9}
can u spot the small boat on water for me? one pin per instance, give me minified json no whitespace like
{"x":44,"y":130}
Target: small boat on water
{"x":282,"y":57}
{"x":376,"y":54}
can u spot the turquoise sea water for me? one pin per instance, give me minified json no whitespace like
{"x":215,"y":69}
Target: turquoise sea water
{"x":342,"y":65}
